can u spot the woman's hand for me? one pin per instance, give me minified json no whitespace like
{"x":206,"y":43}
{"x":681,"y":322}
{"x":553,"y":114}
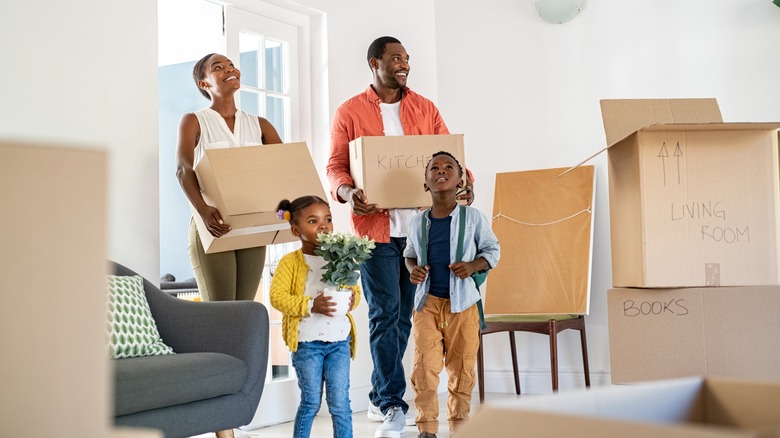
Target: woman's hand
{"x":213,"y":220}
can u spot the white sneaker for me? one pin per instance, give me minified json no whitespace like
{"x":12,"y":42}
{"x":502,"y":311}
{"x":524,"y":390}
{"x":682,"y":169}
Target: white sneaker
{"x":375,"y":414}
{"x":393,"y":425}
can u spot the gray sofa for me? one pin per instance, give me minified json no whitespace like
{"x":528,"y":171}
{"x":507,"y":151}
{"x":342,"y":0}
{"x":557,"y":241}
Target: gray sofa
{"x":215,"y":379}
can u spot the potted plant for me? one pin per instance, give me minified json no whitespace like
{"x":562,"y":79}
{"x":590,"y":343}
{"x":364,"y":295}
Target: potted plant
{"x":343,"y":254}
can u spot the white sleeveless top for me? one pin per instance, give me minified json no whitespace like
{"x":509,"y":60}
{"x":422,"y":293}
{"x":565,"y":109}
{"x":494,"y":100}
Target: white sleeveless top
{"x":215,"y":134}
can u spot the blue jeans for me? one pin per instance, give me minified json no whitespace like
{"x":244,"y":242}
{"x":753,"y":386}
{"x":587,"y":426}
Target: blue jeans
{"x":317,"y":362}
{"x":390,"y":298}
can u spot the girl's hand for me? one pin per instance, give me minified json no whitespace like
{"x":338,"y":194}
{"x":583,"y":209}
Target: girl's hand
{"x":462,"y":270}
{"x":418,"y":274}
{"x":323,"y":305}
{"x":213,"y":221}
{"x":352,"y":299}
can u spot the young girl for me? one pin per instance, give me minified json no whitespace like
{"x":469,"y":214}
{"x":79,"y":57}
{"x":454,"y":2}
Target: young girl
{"x":321,"y":344}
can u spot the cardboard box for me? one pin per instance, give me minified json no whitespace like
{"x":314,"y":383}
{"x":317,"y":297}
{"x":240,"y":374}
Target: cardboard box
{"x":246,"y":184}
{"x":550,"y":271}
{"x":391,"y":169}
{"x":668,"y":333}
{"x":681,"y":408}
{"x":693,"y":201}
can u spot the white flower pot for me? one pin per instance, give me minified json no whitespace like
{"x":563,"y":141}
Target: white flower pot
{"x":341,"y":297}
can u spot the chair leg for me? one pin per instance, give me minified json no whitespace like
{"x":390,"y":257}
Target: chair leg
{"x":513,"y":348}
{"x":584,"y":344}
{"x":481,"y":371}
{"x":553,"y":355}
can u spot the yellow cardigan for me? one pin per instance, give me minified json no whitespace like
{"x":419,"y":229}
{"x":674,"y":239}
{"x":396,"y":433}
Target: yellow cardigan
{"x":287,"y":296}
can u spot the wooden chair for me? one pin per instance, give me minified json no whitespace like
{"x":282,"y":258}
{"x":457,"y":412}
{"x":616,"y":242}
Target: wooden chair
{"x":549,"y":325}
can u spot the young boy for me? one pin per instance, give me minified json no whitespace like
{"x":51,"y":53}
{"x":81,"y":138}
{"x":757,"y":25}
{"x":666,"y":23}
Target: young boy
{"x":446,"y":319}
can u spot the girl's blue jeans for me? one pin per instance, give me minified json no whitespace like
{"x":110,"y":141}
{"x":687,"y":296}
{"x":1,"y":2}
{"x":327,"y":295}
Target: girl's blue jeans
{"x":316,"y":363}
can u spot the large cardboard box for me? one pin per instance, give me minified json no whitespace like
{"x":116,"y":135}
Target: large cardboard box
{"x":391,"y":169}
{"x":246,"y":184}
{"x":680,"y":408}
{"x":667,"y":333}
{"x":693,"y":201}
{"x":551,"y":219}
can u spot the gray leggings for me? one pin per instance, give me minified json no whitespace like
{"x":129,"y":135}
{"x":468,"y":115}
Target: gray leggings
{"x":225,"y":276}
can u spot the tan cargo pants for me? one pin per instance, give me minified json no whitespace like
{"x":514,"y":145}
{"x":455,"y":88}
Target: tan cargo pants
{"x":450,"y":339}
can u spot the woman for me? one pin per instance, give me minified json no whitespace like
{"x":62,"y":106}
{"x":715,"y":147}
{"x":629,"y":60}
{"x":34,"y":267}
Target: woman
{"x":230,"y":275}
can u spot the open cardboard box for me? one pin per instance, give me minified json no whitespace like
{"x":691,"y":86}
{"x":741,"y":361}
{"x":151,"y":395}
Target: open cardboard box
{"x":682,"y":408}
{"x":716,"y":331}
{"x":246,"y":184}
{"x":391,"y":169}
{"x":693,"y":201}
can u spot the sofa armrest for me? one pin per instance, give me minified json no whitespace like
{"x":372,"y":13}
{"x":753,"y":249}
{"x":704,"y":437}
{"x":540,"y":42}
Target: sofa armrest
{"x":237,"y":328}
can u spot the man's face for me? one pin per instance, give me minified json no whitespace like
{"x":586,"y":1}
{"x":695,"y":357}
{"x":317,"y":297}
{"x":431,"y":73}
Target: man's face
{"x":393,"y":67}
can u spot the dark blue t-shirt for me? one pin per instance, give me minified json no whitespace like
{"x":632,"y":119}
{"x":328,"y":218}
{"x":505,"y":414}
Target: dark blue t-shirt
{"x":439,"y":256}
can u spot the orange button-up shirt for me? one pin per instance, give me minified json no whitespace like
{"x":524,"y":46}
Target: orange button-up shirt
{"x":361,"y":116}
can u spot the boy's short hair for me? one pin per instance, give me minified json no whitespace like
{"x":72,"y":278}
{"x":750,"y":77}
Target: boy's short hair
{"x":460,"y":168}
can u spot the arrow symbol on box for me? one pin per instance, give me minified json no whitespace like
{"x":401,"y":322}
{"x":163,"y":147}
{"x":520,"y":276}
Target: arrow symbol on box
{"x":678,"y":153}
{"x":663,"y":154}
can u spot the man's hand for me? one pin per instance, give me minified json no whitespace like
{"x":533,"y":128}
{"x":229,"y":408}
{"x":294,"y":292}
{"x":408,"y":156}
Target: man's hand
{"x":357,"y":200}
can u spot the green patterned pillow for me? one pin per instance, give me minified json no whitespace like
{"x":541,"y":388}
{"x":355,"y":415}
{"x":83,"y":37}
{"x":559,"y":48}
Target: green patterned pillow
{"x":132,"y":331}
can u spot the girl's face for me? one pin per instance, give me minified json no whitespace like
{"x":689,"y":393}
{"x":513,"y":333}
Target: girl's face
{"x":309,"y":222}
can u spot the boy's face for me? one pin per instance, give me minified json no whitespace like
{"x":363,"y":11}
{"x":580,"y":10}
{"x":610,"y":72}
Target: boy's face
{"x":443,"y":174}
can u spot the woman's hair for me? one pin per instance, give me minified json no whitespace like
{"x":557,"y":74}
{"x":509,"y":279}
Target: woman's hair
{"x":295,"y":206}
{"x":199,"y":72}
{"x":460,"y":168}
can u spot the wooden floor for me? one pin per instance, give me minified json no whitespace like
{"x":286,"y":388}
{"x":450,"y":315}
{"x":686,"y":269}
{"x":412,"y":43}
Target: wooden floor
{"x":362,"y":427}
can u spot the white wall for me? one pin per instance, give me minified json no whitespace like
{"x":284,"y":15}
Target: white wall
{"x":84,"y":73}
{"x":528,"y":91}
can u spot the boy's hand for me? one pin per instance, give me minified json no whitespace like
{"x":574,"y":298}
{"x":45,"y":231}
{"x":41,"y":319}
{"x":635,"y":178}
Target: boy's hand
{"x":462,"y":270}
{"x":324,"y":305}
{"x":418,"y":274}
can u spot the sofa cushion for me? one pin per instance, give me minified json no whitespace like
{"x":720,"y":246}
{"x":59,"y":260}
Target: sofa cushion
{"x":132,"y":331}
{"x":144,"y":383}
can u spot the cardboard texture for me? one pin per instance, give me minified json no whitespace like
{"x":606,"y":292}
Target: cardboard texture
{"x":246,"y":184}
{"x":391,"y":169}
{"x":668,"y":333}
{"x":693,"y":201}
{"x":680,"y":408}
{"x":53,"y":279}
{"x":545,"y":226}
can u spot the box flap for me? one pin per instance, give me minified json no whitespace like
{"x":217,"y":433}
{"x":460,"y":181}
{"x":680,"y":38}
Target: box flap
{"x":624,"y":116}
{"x":749,"y":126}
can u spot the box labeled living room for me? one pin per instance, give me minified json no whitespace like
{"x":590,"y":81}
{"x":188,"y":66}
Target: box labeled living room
{"x":693,"y":201}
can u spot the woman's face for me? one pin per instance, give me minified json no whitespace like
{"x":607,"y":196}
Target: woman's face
{"x":220,"y":76}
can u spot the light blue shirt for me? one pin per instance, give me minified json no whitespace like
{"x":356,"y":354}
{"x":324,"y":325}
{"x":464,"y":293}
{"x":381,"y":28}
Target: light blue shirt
{"x":478,"y":241}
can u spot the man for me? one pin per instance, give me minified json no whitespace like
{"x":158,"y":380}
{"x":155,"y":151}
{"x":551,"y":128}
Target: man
{"x":386,"y":107}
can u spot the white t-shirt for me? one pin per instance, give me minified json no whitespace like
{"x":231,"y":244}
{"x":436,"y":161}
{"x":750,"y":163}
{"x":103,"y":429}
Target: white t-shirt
{"x":399,"y":217}
{"x":316,"y":326}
